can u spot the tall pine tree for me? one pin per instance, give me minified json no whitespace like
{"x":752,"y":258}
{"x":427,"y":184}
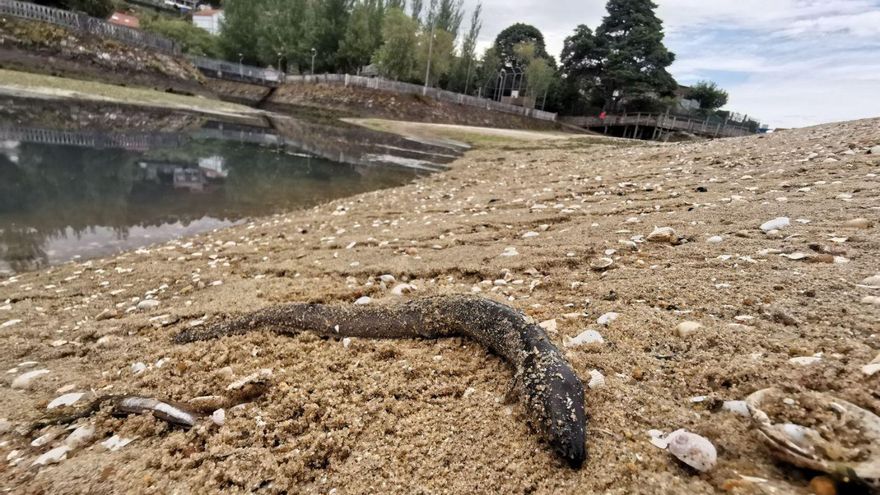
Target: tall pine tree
{"x":630,"y":54}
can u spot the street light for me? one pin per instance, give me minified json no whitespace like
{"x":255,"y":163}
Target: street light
{"x":279,"y":62}
{"x":430,"y":53}
{"x":314,"y":52}
{"x":240,"y":65}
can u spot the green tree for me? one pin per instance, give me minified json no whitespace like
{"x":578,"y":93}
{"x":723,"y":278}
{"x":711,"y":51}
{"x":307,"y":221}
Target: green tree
{"x":416,"y":9}
{"x":329,"y":28}
{"x":192,"y":39}
{"x":361,"y":40}
{"x":448,"y":16}
{"x":580,"y":59}
{"x":538,"y":73}
{"x":465,"y":66}
{"x":507,"y":40}
{"x":282,"y":32}
{"x":396,"y":57}
{"x":441,"y":55}
{"x":239,"y":32}
{"x":630,"y":54}
{"x":710,"y":96}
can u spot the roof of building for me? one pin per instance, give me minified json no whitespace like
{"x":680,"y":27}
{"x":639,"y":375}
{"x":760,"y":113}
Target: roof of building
{"x":207,"y":12}
{"x":124,"y":20}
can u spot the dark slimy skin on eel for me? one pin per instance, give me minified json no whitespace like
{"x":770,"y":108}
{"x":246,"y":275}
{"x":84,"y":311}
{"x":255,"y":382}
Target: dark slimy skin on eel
{"x":545,"y":382}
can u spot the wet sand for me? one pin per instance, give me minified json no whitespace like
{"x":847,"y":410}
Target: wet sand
{"x":521,"y":224}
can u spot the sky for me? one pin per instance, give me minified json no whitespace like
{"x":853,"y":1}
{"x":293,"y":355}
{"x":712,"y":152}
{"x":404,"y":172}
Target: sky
{"x":788,"y":63}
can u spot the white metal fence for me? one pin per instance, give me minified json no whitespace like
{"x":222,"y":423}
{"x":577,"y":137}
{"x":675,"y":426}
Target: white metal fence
{"x":437,"y":94}
{"x":85,"y":24}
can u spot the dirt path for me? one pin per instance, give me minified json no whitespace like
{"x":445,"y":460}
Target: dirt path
{"x":27,"y":85}
{"x":523,"y":224}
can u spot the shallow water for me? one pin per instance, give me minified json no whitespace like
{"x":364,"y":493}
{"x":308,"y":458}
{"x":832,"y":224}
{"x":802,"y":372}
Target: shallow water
{"x":104,"y":192}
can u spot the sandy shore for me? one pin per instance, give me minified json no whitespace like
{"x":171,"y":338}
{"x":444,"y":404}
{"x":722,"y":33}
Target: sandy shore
{"x":519,"y":223}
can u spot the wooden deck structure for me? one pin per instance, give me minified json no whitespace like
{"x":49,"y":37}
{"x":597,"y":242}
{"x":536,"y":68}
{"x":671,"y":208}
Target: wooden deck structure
{"x":656,"y":126}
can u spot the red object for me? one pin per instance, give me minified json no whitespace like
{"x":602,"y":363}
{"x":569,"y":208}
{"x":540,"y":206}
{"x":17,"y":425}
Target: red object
{"x":603,"y":115}
{"x":121,"y":19}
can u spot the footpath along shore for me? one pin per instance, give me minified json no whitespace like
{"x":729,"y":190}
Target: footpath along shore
{"x":558,"y":229}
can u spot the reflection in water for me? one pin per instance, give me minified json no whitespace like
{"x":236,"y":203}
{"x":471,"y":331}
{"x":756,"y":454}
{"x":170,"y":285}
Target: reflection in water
{"x":93,"y":198}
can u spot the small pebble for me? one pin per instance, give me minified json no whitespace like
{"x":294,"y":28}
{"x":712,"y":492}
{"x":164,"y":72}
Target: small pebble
{"x":138,"y":368}
{"x":364,"y":300}
{"x":858,"y":223}
{"x":663,"y":235}
{"x":9,"y":323}
{"x":776,"y":224}
{"x":717,"y":239}
{"x":25,"y":380}
{"x":873,"y":300}
{"x":80,"y":436}
{"x":607,"y":318}
{"x":218,"y":417}
{"x":586,"y":338}
{"x":687,"y":328}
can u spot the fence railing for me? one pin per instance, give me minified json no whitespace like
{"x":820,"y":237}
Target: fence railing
{"x":85,"y":24}
{"x":704,"y":127}
{"x":407,"y":88}
{"x":135,"y":141}
{"x":224,"y":69}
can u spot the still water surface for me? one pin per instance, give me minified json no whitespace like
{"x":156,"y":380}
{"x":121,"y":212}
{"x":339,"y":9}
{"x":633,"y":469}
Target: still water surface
{"x":101,"y":193}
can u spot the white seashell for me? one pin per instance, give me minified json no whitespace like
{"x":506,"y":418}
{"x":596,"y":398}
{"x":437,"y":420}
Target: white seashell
{"x":597,"y":379}
{"x":776,"y":224}
{"x":148,"y":304}
{"x":510,"y":251}
{"x":662,"y":234}
{"x":401,"y":289}
{"x":346,"y":342}
{"x":601,"y":264}
{"x":25,"y":380}
{"x":364,"y":300}
{"x":692,"y":449}
{"x":54,"y":456}
{"x":805,"y":360}
{"x":116,"y":442}
{"x":388,"y":279}
{"x":550,"y":325}
{"x":529,"y":235}
{"x":9,"y":323}
{"x":795,"y":256}
{"x":871,"y":369}
{"x":607,"y":318}
{"x":873,"y":300}
{"x":45,"y":439}
{"x":585,"y":338}
{"x":873,"y":282}
{"x":219,"y":417}
{"x":716,"y":239}
{"x":657,"y":439}
{"x":138,"y":368}
{"x":80,"y":436}
{"x":687,"y":328}
{"x":736,"y":407}
{"x":65,"y":400}
{"x":257,"y":377}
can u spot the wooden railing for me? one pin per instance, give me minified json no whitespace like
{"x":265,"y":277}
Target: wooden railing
{"x":703,"y":127}
{"x":84,"y":24}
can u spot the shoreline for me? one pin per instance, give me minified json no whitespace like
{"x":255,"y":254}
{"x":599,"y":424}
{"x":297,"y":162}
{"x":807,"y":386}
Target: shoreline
{"x":524,"y":224}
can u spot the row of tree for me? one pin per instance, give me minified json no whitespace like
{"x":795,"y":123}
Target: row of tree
{"x":621,"y":65}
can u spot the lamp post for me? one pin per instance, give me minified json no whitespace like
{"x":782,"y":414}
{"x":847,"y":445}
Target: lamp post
{"x":240,"y":65}
{"x":430,"y":53}
{"x":314,"y":52}
{"x":279,"y":62}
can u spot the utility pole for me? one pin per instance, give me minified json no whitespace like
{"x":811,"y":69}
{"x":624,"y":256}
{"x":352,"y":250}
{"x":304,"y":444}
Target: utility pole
{"x":430,"y":53}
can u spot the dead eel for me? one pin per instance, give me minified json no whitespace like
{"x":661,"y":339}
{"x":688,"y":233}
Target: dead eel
{"x":545,"y":382}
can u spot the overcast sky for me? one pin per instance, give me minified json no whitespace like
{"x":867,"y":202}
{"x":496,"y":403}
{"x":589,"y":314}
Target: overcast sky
{"x":787,"y":62}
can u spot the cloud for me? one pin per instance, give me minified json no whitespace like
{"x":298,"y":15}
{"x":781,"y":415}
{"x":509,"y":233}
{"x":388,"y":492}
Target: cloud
{"x":792,"y":62}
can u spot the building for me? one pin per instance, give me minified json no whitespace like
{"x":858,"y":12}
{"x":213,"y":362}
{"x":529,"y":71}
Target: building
{"x":208,"y":19}
{"x":126,"y":20}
